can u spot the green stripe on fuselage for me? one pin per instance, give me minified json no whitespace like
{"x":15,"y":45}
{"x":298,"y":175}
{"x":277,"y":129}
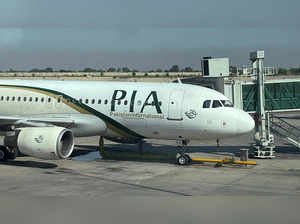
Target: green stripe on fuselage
{"x":83,"y":108}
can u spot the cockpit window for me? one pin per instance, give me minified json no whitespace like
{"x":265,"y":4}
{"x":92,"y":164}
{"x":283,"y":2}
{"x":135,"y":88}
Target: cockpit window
{"x":227,"y":103}
{"x":216,"y":103}
{"x":206,"y":104}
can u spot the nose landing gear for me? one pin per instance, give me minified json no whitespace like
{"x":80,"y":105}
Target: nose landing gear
{"x":182,"y":158}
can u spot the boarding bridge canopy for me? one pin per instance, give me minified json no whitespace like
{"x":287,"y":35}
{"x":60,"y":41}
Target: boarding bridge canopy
{"x":279,"y":96}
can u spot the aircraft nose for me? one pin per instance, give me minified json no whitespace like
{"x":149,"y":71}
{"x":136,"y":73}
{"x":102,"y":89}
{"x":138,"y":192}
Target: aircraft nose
{"x":245,"y":124}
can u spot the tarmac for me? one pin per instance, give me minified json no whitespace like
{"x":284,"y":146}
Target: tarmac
{"x":129,"y":190}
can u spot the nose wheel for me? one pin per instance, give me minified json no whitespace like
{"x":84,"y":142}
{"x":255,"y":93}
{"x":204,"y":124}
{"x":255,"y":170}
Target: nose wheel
{"x":183,"y":159}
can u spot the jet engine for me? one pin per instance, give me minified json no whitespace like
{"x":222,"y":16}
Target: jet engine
{"x":46,"y":142}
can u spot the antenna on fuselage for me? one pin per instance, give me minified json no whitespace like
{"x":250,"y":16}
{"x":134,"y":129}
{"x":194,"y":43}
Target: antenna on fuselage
{"x":179,"y":80}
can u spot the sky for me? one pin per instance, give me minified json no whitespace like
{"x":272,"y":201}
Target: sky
{"x":144,"y":34}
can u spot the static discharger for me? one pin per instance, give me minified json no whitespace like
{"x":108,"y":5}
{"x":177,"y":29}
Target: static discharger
{"x":226,"y":160}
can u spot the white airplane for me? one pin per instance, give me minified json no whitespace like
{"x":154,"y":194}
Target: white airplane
{"x":41,"y":118}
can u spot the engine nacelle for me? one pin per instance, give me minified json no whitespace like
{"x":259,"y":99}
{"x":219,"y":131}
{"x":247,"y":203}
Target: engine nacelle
{"x":46,"y":142}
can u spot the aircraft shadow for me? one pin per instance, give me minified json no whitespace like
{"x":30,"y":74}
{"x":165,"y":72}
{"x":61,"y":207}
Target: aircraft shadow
{"x":166,"y":153}
{"x":30,"y":164}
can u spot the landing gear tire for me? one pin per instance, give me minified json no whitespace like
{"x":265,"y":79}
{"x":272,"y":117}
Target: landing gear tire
{"x":184,"y":160}
{"x":189,"y":159}
{"x":13,"y":153}
{"x":3,"y":154}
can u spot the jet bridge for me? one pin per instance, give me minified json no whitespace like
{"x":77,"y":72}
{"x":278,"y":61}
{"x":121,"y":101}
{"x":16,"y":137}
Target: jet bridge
{"x":263,"y":98}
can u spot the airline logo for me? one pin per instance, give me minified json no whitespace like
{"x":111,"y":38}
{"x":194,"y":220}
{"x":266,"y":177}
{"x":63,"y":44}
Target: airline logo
{"x":191,"y":114}
{"x":40,"y":139}
{"x":150,"y":100}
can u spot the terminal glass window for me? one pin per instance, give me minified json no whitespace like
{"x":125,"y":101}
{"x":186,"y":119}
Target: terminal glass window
{"x":216,"y":103}
{"x":206,"y":104}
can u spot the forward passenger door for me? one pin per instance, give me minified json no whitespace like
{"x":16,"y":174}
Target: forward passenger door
{"x":175,"y":105}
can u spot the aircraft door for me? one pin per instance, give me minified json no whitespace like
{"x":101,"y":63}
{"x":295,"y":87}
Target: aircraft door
{"x":175,"y":105}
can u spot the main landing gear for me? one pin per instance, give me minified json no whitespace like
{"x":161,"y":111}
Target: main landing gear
{"x":181,"y":157}
{"x":7,"y":153}
{"x":101,"y":146}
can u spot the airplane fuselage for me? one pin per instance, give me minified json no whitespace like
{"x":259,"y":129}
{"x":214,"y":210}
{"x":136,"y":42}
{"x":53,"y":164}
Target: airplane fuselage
{"x":134,"y":110}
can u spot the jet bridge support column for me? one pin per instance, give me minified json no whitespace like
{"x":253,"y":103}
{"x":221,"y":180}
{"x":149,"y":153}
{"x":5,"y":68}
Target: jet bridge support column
{"x":263,"y":147}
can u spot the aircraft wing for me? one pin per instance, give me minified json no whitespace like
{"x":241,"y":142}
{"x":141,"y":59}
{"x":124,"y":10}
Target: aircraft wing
{"x":81,"y":124}
{"x":36,"y":121}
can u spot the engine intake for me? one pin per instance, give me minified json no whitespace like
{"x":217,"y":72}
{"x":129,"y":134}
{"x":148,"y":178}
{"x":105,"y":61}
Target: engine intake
{"x":46,"y":142}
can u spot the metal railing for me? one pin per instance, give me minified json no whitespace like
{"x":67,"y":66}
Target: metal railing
{"x":285,"y":131}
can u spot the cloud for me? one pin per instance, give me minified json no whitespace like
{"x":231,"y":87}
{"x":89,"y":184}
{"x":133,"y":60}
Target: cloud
{"x":73,"y":32}
{"x":99,"y":14}
{"x":10,"y":37}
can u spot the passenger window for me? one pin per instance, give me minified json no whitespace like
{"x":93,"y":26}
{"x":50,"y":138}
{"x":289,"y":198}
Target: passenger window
{"x":106,"y":101}
{"x":13,"y":98}
{"x":99,"y":101}
{"x":25,"y":99}
{"x":30,"y":99}
{"x":159,"y":103}
{"x":49,"y":100}
{"x":7,"y":98}
{"x":80,"y":100}
{"x":86,"y":101}
{"x":19,"y":98}
{"x":216,"y":103}
{"x":2,"y":98}
{"x":125,"y":102}
{"x":206,"y":104}
{"x":42,"y":99}
{"x":36,"y":99}
{"x":226,"y":103}
{"x":119,"y":102}
{"x":93,"y":101}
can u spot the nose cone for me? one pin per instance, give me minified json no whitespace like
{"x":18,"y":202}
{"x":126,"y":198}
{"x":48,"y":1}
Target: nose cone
{"x":245,"y":123}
